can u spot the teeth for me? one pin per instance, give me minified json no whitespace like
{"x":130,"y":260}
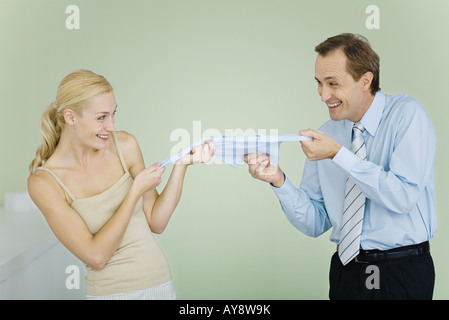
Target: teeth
{"x":102,"y":136}
{"x":334,"y":104}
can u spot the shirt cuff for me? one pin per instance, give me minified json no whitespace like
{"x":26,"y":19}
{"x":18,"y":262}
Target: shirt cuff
{"x":346,"y":159}
{"x":285,"y":190}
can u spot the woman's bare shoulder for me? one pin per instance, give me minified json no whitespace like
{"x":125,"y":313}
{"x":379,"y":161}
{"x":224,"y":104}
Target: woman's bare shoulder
{"x":126,"y":140}
{"x":130,"y":149}
{"x":43,"y":188}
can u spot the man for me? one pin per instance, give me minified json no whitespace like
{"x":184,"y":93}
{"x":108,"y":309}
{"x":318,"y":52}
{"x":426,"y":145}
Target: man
{"x":369,"y":174}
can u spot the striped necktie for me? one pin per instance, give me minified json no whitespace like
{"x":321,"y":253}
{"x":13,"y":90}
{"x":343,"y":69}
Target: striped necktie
{"x":354,"y":206}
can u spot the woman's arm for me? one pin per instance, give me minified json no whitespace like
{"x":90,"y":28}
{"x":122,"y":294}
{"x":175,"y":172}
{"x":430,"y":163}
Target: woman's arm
{"x":70,"y":228}
{"x":159,"y":208}
{"x":166,"y":202}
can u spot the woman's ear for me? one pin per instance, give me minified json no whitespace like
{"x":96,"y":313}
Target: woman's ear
{"x":69,"y":116}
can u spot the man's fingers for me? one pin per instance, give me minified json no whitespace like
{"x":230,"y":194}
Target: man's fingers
{"x":250,"y":158}
{"x":263,"y":158}
{"x":254,"y":158}
{"x":310,"y":133}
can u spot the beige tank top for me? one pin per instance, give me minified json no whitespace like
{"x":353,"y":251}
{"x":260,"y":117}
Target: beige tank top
{"x":138,"y":263}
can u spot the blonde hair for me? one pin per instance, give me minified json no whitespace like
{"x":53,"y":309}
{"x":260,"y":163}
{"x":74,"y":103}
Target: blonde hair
{"x":73,"y":92}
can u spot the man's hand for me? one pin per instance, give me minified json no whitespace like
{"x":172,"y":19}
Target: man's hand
{"x":260,"y":168}
{"x":321,"y":147}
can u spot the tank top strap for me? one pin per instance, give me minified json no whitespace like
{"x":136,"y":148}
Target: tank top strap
{"x":63,"y":186}
{"x":119,"y":150}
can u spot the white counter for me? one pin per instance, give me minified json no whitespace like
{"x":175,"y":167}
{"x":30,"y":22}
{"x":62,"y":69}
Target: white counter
{"x":32,"y":260}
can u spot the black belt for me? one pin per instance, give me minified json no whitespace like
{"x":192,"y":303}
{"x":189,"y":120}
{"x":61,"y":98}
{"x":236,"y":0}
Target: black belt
{"x":367,"y":256}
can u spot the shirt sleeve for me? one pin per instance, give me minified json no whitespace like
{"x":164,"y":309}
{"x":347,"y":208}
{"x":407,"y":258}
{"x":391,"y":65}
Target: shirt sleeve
{"x":399,"y":185}
{"x":304,"y":210}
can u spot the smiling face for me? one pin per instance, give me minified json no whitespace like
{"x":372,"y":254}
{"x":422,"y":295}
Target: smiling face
{"x":345,"y":97}
{"x":97,"y":121}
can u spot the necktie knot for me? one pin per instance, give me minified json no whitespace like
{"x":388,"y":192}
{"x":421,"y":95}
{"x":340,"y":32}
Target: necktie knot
{"x":358,"y":144}
{"x":357,"y":129}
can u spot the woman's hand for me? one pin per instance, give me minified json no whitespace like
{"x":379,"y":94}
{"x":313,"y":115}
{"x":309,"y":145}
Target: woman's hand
{"x":149,"y":178}
{"x":200,"y":154}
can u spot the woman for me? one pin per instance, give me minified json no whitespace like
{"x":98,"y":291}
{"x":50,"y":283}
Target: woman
{"x":91,"y":184}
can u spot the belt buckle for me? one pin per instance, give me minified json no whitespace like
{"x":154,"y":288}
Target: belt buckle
{"x":356,"y":260}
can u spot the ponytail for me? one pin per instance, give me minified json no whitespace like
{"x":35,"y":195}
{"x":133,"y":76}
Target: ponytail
{"x":51,"y":132}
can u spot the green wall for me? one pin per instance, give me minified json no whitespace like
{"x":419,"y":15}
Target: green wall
{"x":234,"y":64}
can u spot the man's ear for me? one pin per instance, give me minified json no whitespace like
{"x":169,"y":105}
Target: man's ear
{"x":366,"y":80}
{"x":69,"y":116}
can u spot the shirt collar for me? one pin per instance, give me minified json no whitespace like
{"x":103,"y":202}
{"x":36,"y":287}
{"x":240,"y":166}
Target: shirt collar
{"x":372,"y":116}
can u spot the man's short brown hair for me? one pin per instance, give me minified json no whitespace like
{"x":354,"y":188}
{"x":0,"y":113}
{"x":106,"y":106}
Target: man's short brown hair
{"x":361,"y":58}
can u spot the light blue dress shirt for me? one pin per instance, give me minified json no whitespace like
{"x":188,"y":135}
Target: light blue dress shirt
{"x":397,"y":178}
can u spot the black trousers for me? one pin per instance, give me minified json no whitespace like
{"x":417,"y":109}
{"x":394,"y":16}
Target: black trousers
{"x":411,"y":277}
